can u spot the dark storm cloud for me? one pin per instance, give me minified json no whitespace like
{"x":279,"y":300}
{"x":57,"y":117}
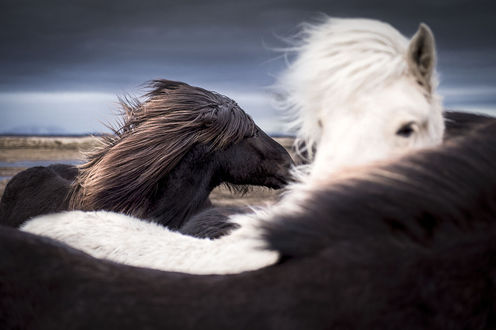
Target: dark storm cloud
{"x":97,"y":39}
{"x":113,"y":46}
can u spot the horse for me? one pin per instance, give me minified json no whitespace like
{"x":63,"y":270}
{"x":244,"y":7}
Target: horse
{"x":224,"y":242}
{"x":409,"y":84}
{"x":359,"y":91}
{"x":226,"y":254}
{"x":364,"y":92}
{"x":161,"y":164}
{"x":215,"y":222}
{"x":409,"y":244}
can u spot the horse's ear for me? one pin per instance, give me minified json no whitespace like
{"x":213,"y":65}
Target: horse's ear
{"x":421,"y":54}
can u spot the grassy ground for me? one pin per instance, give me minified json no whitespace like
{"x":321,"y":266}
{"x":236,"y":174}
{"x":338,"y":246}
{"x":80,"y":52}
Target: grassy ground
{"x":60,"y":149}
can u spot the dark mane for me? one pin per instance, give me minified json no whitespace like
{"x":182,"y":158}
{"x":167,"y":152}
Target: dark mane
{"x":152,"y":138}
{"x":423,"y":199}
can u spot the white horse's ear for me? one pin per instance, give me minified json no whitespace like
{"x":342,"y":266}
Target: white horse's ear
{"x":421,"y":55}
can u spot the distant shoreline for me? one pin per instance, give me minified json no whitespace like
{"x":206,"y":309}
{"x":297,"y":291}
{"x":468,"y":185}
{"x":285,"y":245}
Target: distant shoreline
{"x":79,"y":143}
{"x":51,"y":135}
{"x":75,"y":142}
{"x":2,"y":135}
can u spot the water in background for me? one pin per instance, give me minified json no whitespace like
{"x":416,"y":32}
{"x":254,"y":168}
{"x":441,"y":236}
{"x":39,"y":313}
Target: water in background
{"x":32,"y":163}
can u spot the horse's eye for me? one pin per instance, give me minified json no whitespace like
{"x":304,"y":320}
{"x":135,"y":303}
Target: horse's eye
{"x":406,"y":130}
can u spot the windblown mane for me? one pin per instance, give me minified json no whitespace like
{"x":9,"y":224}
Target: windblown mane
{"x":153,"y":137}
{"x":334,"y":60}
{"x":426,"y":198}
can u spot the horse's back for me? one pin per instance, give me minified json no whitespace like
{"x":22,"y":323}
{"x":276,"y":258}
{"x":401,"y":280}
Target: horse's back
{"x":460,"y":123}
{"x":35,"y":191}
{"x":68,"y":172}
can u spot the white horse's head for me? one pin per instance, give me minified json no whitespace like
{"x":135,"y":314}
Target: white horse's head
{"x":359,"y":91}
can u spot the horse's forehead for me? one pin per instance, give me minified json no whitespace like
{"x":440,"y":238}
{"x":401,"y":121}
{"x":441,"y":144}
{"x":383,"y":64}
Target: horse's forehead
{"x":402,"y":98}
{"x":373,"y":116}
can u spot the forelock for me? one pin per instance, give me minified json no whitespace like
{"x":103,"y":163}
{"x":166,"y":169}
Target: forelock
{"x":348,"y":55}
{"x":217,"y":119}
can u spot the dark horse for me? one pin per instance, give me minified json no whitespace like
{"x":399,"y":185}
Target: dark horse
{"x":408,"y":245}
{"x":214,"y":222}
{"x":161,"y":164}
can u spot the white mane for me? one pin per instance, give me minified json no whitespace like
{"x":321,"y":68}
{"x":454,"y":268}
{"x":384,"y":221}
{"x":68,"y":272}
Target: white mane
{"x":337,"y":60}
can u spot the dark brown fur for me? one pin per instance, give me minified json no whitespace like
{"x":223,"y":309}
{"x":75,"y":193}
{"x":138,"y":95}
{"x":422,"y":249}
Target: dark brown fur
{"x":158,"y":132}
{"x":378,"y":253}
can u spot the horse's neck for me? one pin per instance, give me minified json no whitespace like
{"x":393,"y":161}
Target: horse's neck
{"x":182,"y":193}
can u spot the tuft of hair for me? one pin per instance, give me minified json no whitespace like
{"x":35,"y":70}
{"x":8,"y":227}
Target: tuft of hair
{"x":336,"y":58}
{"x":150,"y":139}
{"x":425,"y":198}
{"x":213,"y":223}
{"x":237,"y":189}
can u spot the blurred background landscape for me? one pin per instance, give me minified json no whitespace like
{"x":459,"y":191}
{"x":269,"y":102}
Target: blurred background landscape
{"x":63,"y":63}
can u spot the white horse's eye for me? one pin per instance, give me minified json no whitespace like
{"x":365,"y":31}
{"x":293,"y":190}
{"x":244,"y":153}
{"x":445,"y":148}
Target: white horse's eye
{"x":406,"y":129}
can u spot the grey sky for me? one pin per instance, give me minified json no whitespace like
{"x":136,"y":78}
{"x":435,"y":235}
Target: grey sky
{"x":62,"y":63}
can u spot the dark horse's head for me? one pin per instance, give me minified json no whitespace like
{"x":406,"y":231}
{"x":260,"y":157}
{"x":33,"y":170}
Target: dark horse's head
{"x":177,"y":126}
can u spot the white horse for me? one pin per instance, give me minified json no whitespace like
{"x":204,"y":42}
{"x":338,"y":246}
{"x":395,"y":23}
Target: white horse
{"x":359,"y":91}
{"x":366,"y":94}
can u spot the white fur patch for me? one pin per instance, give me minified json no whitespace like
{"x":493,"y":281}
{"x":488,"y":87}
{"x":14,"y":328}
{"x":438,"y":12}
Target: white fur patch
{"x":131,"y":241}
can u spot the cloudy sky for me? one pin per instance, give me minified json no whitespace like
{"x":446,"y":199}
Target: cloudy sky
{"x":62,"y":63}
